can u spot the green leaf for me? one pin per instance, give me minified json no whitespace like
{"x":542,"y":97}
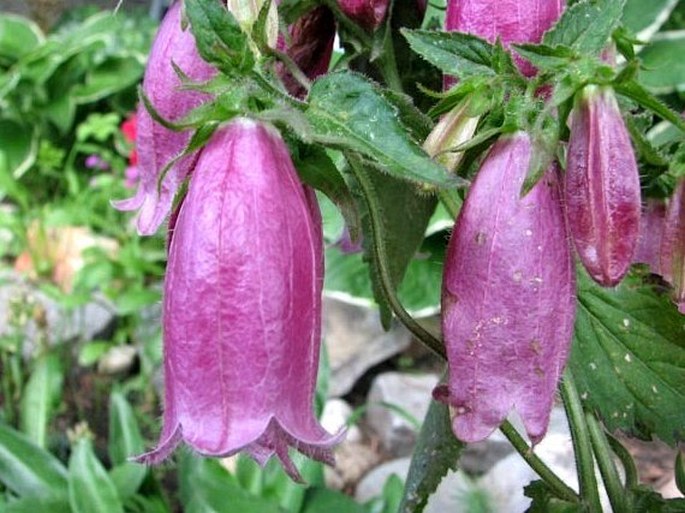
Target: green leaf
{"x":586,"y":26}
{"x":663,"y":68}
{"x":34,"y":505}
{"x":330,"y":501}
{"x":113,"y":75}
{"x":393,"y":492}
{"x":317,"y":169}
{"x":28,"y":470}
{"x":436,"y":453}
{"x":41,"y":393}
{"x":18,"y":37}
{"x":124,"y":441}
{"x":628,"y":358}
{"x":680,"y":472}
{"x":348,"y":112}
{"x":220,"y":40}
{"x":645,"y":18}
{"x":454,"y":53}
{"x":206,"y":487}
{"x":90,"y":487}
{"x":648,"y":501}
{"x":134,"y":299}
{"x":395,"y":216}
{"x":639,"y":94}
{"x":545,"y":57}
{"x":20,"y":146}
{"x":544,"y":500}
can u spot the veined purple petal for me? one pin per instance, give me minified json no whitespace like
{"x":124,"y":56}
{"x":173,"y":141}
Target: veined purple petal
{"x":156,"y":145}
{"x":602,"y":189}
{"x":242,"y":305}
{"x":512,"y":21}
{"x":508,"y":302}
{"x":652,"y":222}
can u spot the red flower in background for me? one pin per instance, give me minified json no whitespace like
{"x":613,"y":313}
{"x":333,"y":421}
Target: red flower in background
{"x":129,"y":129}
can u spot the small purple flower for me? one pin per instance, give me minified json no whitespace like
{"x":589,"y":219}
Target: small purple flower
{"x":508,"y":302}
{"x":512,"y":21}
{"x":242,"y":306}
{"x":96,"y":162}
{"x":602,"y":187}
{"x":367,"y":13}
{"x":155,"y":144}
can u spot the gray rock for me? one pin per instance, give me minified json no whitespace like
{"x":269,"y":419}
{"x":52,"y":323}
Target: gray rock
{"x":118,"y":359}
{"x":356,"y":342}
{"x":334,"y":417}
{"x":29,"y":313}
{"x":408,"y":393}
{"x":371,"y":485}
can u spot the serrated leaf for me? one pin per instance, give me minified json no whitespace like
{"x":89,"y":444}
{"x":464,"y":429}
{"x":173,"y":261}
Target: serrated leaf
{"x":544,"y":500}
{"x":220,"y":40}
{"x":545,"y":57}
{"x":645,"y":18}
{"x":454,"y":53}
{"x":647,"y":500}
{"x":28,"y":470}
{"x":90,"y":488}
{"x":41,"y":393}
{"x":586,"y":26}
{"x":436,"y":453}
{"x":662,"y":68}
{"x":347,"y":111}
{"x":639,"y":94}
{"x":628,"y":358}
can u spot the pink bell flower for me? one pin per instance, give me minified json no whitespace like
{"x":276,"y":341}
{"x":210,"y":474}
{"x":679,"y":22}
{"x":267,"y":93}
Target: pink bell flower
{"x":242,"y":306}
{"x":512,"y":21}
{"x":508,"y":303}
{"x":155,"y":144}
{"x":602,"y":187}
{"x":367,"y":13}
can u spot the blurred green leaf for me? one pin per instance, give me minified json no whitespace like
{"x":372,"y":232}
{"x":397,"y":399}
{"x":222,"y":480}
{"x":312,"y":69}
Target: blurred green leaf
{"x":330,"y":501}
{"x":132,"y":300}
{"x":347,"y":111}
{"x":109,"y":77}
{"x":663,"y":66}
{"x":436,"y":453}
{"x":19,"y":144}
{"x":393,"y":491}
{"x":28,"y":470}
{"x":18,"y":37}
{"x":90,"y":487}
{"x":33,"y":505}
{"x":628,"y":358}
{"x":645,"y":18}
{"x":124,"y":441}
{"x":42,"y":392}
{"x":91,"y":352}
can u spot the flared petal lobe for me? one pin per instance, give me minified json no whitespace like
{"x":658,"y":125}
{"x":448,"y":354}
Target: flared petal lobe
{"x":602,"y":187}
{"x":508,"y":302}
{"x":512,"y":21}
{"x":242,"y":305}
{"x":157,"y":145}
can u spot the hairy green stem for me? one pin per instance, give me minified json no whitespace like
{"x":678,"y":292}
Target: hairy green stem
{"x":581,"y":444}
{"x":607,"y":467}
{"x":450,"y":201}
{"x":421,"y":333}
{"x":292,"y":68}
{"x":627,"y":461}
{"x":561,"y":489}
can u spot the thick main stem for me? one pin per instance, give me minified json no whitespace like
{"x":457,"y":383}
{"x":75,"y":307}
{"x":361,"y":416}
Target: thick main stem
{"x":580,"y":436}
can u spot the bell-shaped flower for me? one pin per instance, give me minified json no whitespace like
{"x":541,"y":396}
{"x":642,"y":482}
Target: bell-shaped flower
{"x":310,"y":46}
{"x":602,"y":186}
{"x":155,"y":144}
{"x":242,"y":306}
{"x":367,"y":13}
{"x":672,"y":261}
{"x":508,"y":297}
{"x":512,"y":21}
{"x":652,"y":222}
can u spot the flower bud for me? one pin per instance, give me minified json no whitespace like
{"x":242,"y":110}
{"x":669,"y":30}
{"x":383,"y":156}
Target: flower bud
{"x":508,"y":302}
{"x":512,"y":21}
{"x":242,"y":306}
{"x":156,"y":145}
{"x":673,"y":246}
{"x":454,"y":128}
{"x":602,"y":189}
{"x":367,"y":13}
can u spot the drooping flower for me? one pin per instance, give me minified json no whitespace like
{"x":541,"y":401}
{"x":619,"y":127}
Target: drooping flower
{"x":367,"y":13}
{"x":602,"y":187}
{"x":512,"y":21}
{"x":155,"y":144}
{"x":508,"y":297}
{"x":672,"y":260}
{"x":242,"y":305}
{"x":652,"y":222}
{"x":310,"y":46}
